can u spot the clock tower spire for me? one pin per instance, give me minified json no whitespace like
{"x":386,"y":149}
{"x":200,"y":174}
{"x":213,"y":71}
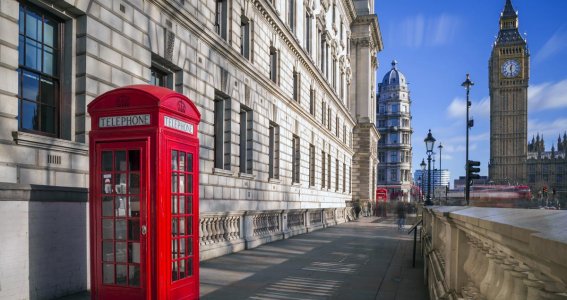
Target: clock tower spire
{"x":508,"y":69}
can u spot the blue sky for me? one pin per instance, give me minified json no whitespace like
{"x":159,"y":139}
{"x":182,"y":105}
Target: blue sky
{"x":436,"y":42}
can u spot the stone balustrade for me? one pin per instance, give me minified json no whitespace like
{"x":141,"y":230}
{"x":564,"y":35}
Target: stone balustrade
{"x":495,"y":253}
{"x":224,"y":233}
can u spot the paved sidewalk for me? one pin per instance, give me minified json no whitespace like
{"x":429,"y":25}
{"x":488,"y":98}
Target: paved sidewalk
{"x":366,"y":259}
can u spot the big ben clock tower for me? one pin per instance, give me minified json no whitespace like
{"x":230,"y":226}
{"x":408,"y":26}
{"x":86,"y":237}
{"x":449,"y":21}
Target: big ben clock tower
{"x":509,"y":67}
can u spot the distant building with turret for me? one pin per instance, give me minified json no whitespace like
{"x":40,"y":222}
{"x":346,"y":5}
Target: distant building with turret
{"x":547,"y":170}
{"x":394,"y":124}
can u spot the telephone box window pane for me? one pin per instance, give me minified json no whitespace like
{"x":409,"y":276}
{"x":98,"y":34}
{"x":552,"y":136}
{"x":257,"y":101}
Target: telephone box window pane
{"x":106,"y":161}
{"x":121,"y":275}
{"x":174,"y":183}
{"x":108,"y":251}
{"x":182,"y":226}
{"x":189,"y":183}
{"x":134,"y":206}
{"x":134,"y":183}
{"x":182,"y":183}
{"x":174,"y":249}
{"x":120,"y":184}
{"x":174,"y":226}
{"x":134,"y":230}
{"x":107,"y":228}
{"x":189,"y":222}
{"x":108,"y":273}
{"x":120,"y":205}
{"x":181,"y":204}
{"x":120,"y":157}
{"x":134,"y":160}
{"x":182,"y":247}
{"x":107,"y":206}
{"x":189,"y":204}
{"x":134,"y":277}
{"x":134,"y":250}
{"x":174,"y":160}
{"x":190,"y":267}
{"x":174,"y":270}
{"x":189,"y":246}
{"x":182,"y":161}
{"x":120,"y":252}
{"x":120,"y":229}
{"x":182,"y":269}
{"x":173,"y":204}
{"x":189,"y":162}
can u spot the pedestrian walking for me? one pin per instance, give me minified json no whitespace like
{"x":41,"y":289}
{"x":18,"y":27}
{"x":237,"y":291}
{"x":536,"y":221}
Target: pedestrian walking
{"x":401,"y":209}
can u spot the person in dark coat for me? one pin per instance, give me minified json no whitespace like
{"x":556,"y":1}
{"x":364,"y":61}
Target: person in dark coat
{"x":401,"y":209}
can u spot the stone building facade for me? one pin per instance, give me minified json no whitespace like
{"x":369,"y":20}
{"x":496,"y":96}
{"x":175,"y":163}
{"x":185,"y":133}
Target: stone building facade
{"x":509,"y":74}
{"x":547,"y":170}
{"x":393,"y":117}
{"x":286,"y":94}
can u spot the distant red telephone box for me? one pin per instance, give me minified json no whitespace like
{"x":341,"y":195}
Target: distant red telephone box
{"x":381,"y":195}
{"x":144,"y":195}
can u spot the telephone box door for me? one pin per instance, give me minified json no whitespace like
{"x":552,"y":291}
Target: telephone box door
{"x":183,"y":215}
{"x":120,"y":194}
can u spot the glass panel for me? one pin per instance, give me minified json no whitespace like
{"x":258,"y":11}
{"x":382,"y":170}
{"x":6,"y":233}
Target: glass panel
{"x":21,"y":48}
{"x":181,"y":161}
{"x":182,"y":183}
{"x":174,"y":249}
{"x":120,"y":157}
{"x":189,"y":207}
{"x":107,"y":229}
{"x":181,"y":204}
{"x":121,"y":274}
{"x":134,"y":160}
{"x":134,"y":206}
{"x":174,"y":226}
{"x":33,"y":25}
{"x":120,"y":252}
{"x":49,"y":61}
{"x":189,"y":228}
{"x":181,"y":226}
{"x":189,"y":183}
{"x":108,"y":273}
{"x":49,"y":33}
{"x":174,"y":183}
{"x":134,"y":183}
{"x":48,"y":91}
{"x":48,"y":118}
{"x":134,"y":250}
{"x":29,"y":115}
{"x":134,"y":230}
{"x":189,"y":267}
{"x":189,"y":246}
{"x":174,"y":270}
{"x":182,"y":247}
{"x":120,"y":206}
{"x":107,"y":206}
{"x":33,"y":54}
{"x":120,"y":229}
{"x":22,"y":20}
{"x":181,"y":269}
{"x":107,"y":161}
{"x":174,"y":204}
{"x":174,"y":160}
{"x":120,"y":184}
{"x":134,"y":276}
{"x":189,"y":162}
{"x":30,"y":85}
{"x":108,"y":251}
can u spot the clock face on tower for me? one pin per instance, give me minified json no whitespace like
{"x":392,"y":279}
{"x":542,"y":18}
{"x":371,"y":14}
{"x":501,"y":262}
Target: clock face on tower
{"x":510,"y":68}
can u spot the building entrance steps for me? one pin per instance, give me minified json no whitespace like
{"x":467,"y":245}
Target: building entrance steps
{"x":365,"y":259}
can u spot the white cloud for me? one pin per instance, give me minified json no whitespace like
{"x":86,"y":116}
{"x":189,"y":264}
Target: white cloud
{"x":550,"y":130}
{"x":479,"y":109}
{"x":556,"y":43}
{"x":417,"y":31}
{"x":547,"y":95}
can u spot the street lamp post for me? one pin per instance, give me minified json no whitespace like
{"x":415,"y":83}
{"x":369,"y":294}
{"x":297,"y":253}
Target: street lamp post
{"x":440,"y":169}
{"x":429,"y":144}
{"x":467,"y":85}
{"x":422,"y":165}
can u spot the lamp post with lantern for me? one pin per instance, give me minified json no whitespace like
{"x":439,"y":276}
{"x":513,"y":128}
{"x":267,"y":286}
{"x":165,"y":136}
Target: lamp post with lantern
{"x":429,"y":144}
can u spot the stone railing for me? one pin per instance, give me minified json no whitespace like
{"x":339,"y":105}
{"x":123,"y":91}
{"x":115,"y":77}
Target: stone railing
{"x":224,"y":233}
{"x":495,"y":253}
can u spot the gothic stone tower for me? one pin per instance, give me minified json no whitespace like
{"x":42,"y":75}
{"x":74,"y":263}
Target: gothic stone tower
{"x":508,"y":83}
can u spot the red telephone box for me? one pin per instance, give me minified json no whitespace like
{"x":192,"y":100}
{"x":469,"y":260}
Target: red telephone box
{"x":144,"y":194}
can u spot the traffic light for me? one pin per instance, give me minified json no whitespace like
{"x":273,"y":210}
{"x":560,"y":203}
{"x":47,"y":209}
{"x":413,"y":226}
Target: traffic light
{"x":472,"y":172}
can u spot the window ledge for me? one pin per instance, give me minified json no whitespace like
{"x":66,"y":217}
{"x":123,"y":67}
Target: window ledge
{"x":296,"y":184}
{"x":46,"y":142}
{"x":247,"y":176}
{"x":222,"y":172}
{"x":274,"y":180}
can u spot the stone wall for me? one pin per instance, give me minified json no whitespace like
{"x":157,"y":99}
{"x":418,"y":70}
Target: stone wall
{"x":495,"y":253}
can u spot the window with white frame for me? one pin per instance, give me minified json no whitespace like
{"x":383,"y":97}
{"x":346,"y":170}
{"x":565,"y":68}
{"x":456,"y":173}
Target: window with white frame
{"x":246,"y":140}
{"x":221,"y":19}
{"x":222,"y":131}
